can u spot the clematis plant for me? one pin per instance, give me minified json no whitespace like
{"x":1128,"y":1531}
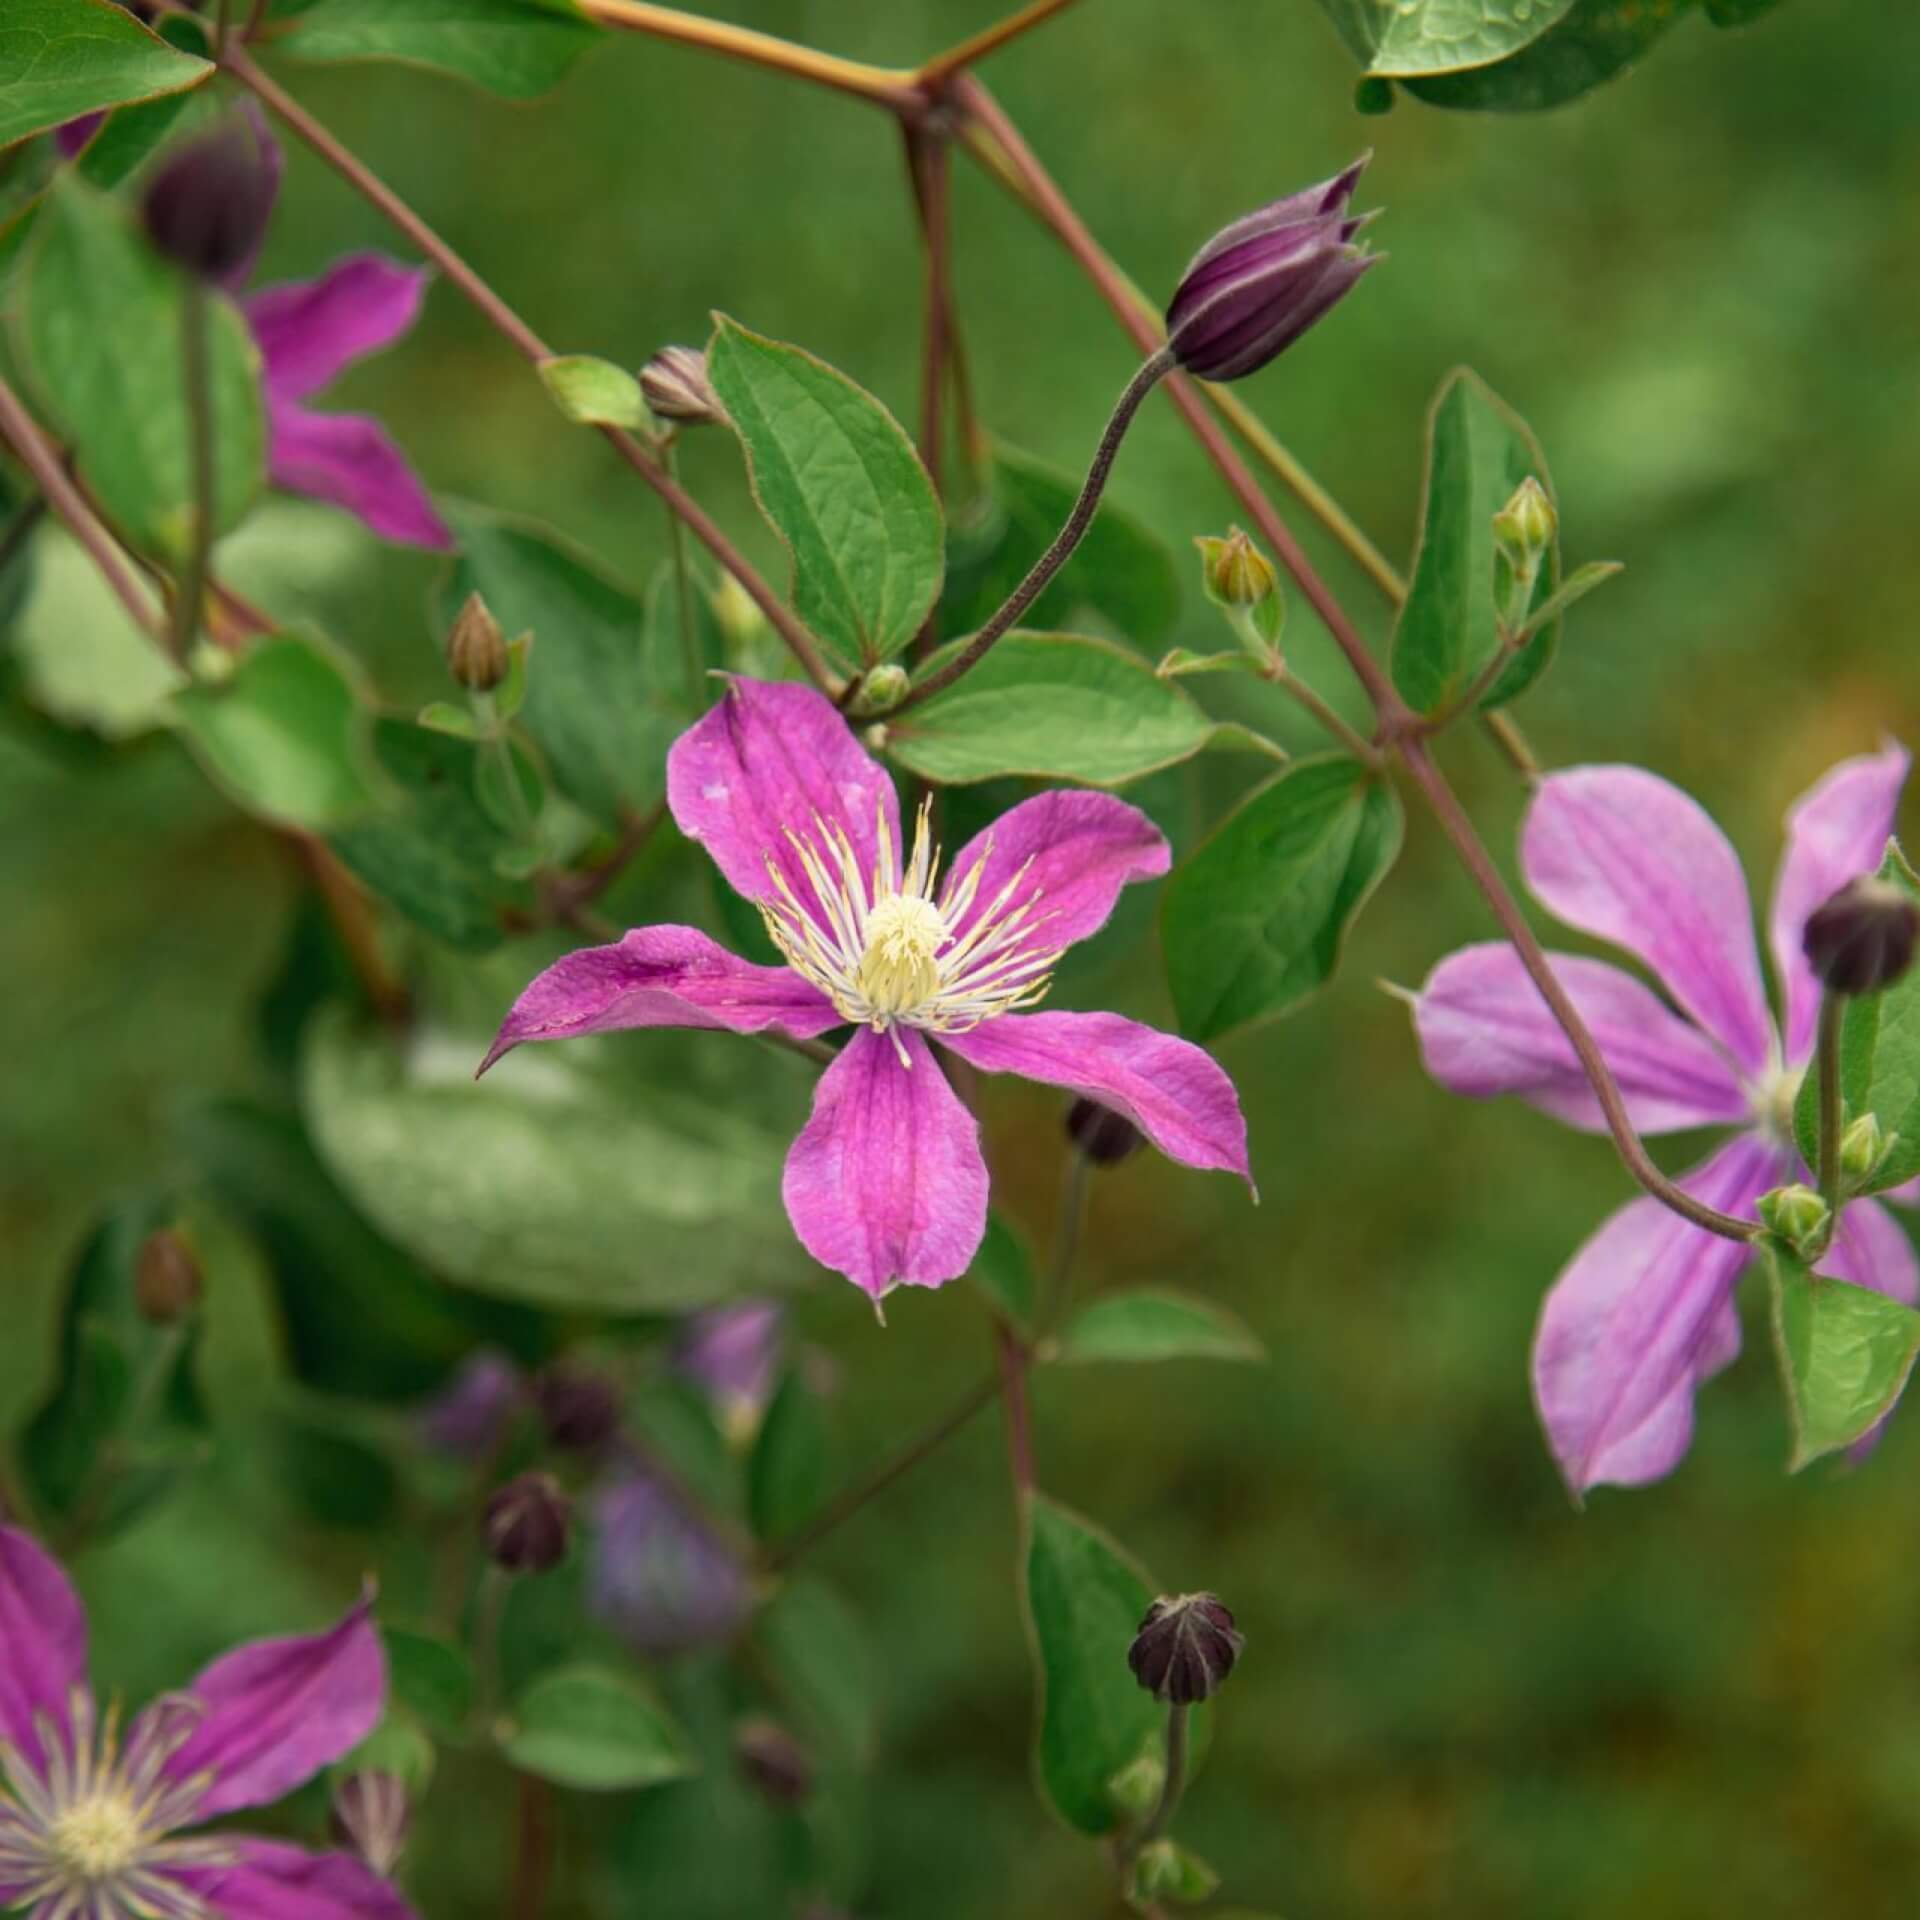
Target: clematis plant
{"x":1644,"y":1312}
{"x":886,"y":1182}
{"x":94,"y":1826}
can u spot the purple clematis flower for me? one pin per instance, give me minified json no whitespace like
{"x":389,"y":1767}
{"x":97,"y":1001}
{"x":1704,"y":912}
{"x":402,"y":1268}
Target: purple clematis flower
{"x":91,"y":1827}
{"x":657,"y":1577}
{"x":1644,"y":1311}
{"x":733,"y":1355}
{"x":886,"y":1182}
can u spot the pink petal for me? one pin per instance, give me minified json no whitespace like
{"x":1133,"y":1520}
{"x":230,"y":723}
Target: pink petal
{"x":1636,"y":1320}
{"x":1620,"y":853}
{"x":275,"y":1712}
{"x":273,"y":1881}
{"x":43,"y":1641}
{"x":1168,"y":1088}
{"x":1836,"y":831}
{"x":1485,"y":1030}
{"x":769,"y":760}
{"x":347,"y":459}
{"x":311,"y":331}
{"x":72,"y":135}
{"x":1077,"y":851}
{"x":662,"y":977}
{"x":886,"y":1183}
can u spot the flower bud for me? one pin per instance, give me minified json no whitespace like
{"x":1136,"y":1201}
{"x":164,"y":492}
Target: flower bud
{"x":675,"y":386}
{"x":1260,"y":283}
{"x":1234,"y":571}
{"x":1862,"y":939}
{"x":207,"y":207}
{"x":579,"y":1408}
{"x":1185,"y":1648}
{"x":166,"y":1280}
{"x":1105,"y":1137}
{"x":468,"y":1417}
{"x":1863,"y":1146}
{"x":733,"y":1355}
{"x":658,"y":1577}
{"x":369,"y":1818}
{"x":1797,"y":1214}
{"x":772,"y":1760}
{"x":881,"y":689}
{"x":528,"y":1524}
{"x":1523,"y":529}
{"x":1165,"y":1870}
{"x":476,"y":648}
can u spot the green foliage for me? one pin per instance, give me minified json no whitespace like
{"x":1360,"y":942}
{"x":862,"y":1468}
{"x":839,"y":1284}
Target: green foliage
{"x":841,"y":484}
{"x":337,"y":1478}
{"x":517,"y":48}
{"x":1594,"y":41}
{"x":60,"y":59}
{"x":431,"y":1678}
{"x":594,"y":1730}
{"x":792,"y":1462}
{"x":1253,"y":922}
{"x":1401,"y":38}
{"x":1003,"y":1271}
{"x":819,"y":1661}
{"x":592,"y":392}
{"x":1165,"y":1870}
{"x":1155,"y":1323}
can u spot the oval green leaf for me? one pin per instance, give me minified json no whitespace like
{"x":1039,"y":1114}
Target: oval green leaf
{"x":1401,"y":38}
{"x":1590,"y":43}
{"x":593,"y":392}
{"x":516,"y":48}
{"x":792,"y":1461}
{"x":595,"y":1730}
{"x":60,"y":59}
{"x":1156,"y":1323}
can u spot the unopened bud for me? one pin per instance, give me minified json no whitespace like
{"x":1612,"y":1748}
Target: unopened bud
{"x":207,"y":207}
{"x":369,"y":1817}
{"x":1135,"y":1790}
{"x":772,"y":1760}
{"x":881,"y":689}
{"x":1234,"y":571}
{"x":528,"y":1524}
{"x":476,"y":648}
{"x":166,"y":1280}
{"x":675,"y":386}
{"x":1523,"y":529}
{"x":1165,"y":1870}
{"x":579,"y":1408}
{"x":1105,"y":1137}
{"x":1797,"y":1214}
{"x":1863,"y":1146}
{"x":1863,"y":938}
{"x":1185,"y":1648}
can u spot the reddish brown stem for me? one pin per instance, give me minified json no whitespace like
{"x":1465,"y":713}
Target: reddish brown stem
{"x":1012,"y":1358}
{"x":942,"y":67}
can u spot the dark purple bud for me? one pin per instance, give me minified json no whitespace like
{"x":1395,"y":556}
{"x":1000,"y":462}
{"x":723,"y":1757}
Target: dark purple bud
{"x":468,"y":1418}
{"x":369,"y":1818}
{"x":675,"y":386}
{"x":733,"y":1355}
{"x":771,"y":1759}
{"x":1259,"y":284}
{"x":1863,"y":938}
{"x":166,"y":1280}
{"x":1105,"y":1137}
{"x":1185,"y":1648}
{"x":659,"y":1578}
{"x":207,"y":208}
{"x":579,"y":1409}
{"x":528,"y":1524}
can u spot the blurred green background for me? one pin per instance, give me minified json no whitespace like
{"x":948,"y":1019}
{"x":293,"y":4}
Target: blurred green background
{"x":1460,"y":1696}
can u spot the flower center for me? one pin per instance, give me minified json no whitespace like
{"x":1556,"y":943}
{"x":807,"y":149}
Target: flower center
{"x":897,"y":971}
{"x":1774,"y":1094}
{"x":97,"y":1838}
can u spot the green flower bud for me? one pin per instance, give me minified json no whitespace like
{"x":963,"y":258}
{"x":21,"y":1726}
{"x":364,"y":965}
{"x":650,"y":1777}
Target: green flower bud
{"x":1863,"y":1146}
{"x":1234,"y":571}
{"x":881,"y":689}
{"x":1797,"y":1214}
{"x":166,"y":1280}
{"x":1135,"y":1790}
{"x":1165,"y":1870}
{"x":476,"y":648}
{"x":1524,"y":528}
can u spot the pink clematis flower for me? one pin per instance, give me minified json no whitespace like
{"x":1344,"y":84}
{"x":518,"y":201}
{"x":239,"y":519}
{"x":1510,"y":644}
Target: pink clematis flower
{"x":1644,"y":1311}
{"x":91,"y":1827}
{"x":886,"y":1183}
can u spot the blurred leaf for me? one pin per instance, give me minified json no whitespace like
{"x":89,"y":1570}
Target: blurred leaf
{"x":432,"y":1679}
{"x":792,"y":1460}
{"x":1055,"y":706}
{"x":819,"y":1659}
{"x":1400,"y":37}
{"x":1845,"y":1354}
{"x":841,"y":485}
{"x":398,"y":1745}
{"x":593,"y":392}
{"x":1084,"y":1600}
{"x":1165,"y":1870}
{"x":1119,"y":569}
{"x":1254,"y":920}
{"x":667,"y":643}
{"x":593,"y":700}
{"x":132,"y":135}
{"x":517,"y":48}
{"x":1156,"y":1323}
{"x":1181,"y":661}
{"x":125,"y":1418}
{"x":442,"y":716}
{"x":595,"y":1730}
{"x":286,"y":735}
{"x":1003,"y":1271}
{"x":1592,"y":42}
{"x":1879,"y":1063}
{"x":337,"y":1477}
{"x":101,"y":333}
{"x":60,"y":59}
{"x":543,"y":1183}
{"x":676,"y":1419}
{"x":1478,"y":451}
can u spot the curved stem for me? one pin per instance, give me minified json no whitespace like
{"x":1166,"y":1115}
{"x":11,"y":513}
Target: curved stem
{"x":1833,"y":1009}
{"x":1362,"y":749}
{"x":943,"y":66}
{"x":1175,"y":1784}
{"x":1012,"y":1358}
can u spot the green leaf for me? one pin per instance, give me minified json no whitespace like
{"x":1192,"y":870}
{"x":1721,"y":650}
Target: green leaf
{"x":595,"y":1730}
{"x":1181,"y":661}
{"x":1254,"y":921}
{"x":1845,"y":1354}
{"x":1577,"y":585}
{"x":1003,"y":1271}
{"x":1408,"y":37}
{"x":1084,"y":1600}
{"x":1478,"y":451}
{"x":60,"y":59}
{"x":1156,"y":1323}
{"x":792,"y":1460}
{"x":819,"y":1660}
{"x":338,"y":1478}
{"x":102,"y":335}
{"x":593,"y":392}
{"x":841,"y":484}
{"x":1055,"y":706}
{"x":1879,"y":1063}
{"x":286,"y":735}
{"x":432,"y":1679}
{"x":1119,"y":570}
{"x":600,"y":711}
{"x":516,"y":48}
{"x":1587,"y":45}
{"x":546,"y":1182}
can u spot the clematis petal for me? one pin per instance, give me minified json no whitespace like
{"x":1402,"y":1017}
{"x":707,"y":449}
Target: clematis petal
{"x":273,"y":1881}
{"x":771,"y":759}
{"x":43,"y":1642}
{"x":1634,"y":1322}
{"x":275,"y":1712}
{"x":1170,"y":1089}
{"x":1065,"y":855}
{"x":659,"y":1578}
{"x":1485,"y":1030}
{"x":662,"y":977}
{"x":1836,"y":831}
{"x":311,"y":331}
{"x":349,"y":461}
{"x":885,"y":1183}
{"x":1621,"y":853}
